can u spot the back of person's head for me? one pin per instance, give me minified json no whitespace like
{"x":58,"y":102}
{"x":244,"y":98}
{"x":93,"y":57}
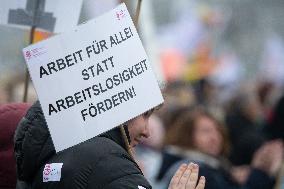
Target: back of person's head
{"x":10,"y":115}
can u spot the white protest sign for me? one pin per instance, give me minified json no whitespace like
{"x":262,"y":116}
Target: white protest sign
{"x":92,"y":79}
{"x":54,"y":16}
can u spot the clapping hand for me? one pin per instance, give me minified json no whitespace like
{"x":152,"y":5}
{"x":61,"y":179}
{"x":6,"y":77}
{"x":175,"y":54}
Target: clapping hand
{"x":186,"y":177}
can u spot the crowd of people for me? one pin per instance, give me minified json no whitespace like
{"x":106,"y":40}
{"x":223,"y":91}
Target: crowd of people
{"x":233,"y":144}
{"x":205,"y":135}
{"x":237,"y":143}
{"x":104,"y":161}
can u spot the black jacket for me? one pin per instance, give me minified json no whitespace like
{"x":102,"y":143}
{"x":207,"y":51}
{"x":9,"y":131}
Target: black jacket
{"x":217,"y":173}
{"x":101,"y":162}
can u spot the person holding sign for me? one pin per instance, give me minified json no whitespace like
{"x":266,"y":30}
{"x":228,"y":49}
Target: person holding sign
{"x":89,"y":81}
{"x":101,"y":162}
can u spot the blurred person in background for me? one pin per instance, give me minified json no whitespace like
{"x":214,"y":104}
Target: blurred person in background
{"x":169,"y":157}
{"x":177,"y":94}
{"x":274,"y":129}
{"x":12,"y":89}
{"x":205,"y":92}
{"x":275,"y":126}
{"x":244,"y":120}
{"x":200,"y":137}
{"x":3,"y":94}
{"x":266,"y":95}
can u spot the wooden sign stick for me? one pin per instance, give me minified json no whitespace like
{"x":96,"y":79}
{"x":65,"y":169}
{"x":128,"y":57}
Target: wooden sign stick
{"x":136,"y":18}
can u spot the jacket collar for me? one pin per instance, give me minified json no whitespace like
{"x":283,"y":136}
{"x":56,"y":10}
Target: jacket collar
{"x":116,"y":136}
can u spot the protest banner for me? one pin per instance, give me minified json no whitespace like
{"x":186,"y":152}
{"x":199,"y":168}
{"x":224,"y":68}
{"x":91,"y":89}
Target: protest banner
{"x":93,"y":78}
{"x":53,"y":16}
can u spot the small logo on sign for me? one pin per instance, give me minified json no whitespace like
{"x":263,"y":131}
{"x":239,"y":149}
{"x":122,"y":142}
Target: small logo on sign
{"x":28,"y":54}
{"x":47,"y":169}
{"x":36,"y":52}
{"x":52,"y":172}
{"x":120,"y":14}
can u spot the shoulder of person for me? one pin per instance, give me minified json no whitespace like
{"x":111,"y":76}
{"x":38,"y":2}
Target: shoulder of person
{"x":96,"y":163}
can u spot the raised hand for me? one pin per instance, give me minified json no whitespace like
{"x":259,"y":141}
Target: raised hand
{"x":186,"y":177}
{"x":269,"y":157}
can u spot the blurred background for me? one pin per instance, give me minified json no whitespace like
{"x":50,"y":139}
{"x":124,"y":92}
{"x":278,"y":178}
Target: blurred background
{"x":221,"y":60}
{"x":229,"y":43}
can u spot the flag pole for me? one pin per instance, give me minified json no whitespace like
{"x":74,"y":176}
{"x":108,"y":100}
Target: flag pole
{"x":32,"y":33}
{"x":137,"y":14}
{"x":27,"y":76}
{"x":136,"y":18}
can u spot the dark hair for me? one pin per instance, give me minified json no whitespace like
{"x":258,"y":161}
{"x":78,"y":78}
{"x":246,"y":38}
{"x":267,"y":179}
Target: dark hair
{"x":151,"y":111}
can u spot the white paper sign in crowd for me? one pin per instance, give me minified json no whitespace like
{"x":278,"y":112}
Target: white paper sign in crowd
{"x":93,"y":78}
{"x":54,"y":16}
